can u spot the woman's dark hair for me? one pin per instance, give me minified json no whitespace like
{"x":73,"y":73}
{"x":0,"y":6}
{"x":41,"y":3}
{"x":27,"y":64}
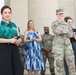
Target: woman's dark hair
{"x":4,"y":7}
{"x":66,"y":18}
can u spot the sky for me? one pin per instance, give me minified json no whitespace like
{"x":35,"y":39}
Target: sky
{"x":1,"y":4}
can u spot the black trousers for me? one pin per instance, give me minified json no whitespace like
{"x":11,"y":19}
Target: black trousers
{"x":74,"y":49}
{"x":10,"y":63}
{"x":65,"y":65}
{"x":66,"y":68}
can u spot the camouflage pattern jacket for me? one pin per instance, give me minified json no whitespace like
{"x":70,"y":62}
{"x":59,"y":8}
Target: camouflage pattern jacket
{"x":21,"y":45}
{"x":63,"y":32}
{"x":46,"y":41}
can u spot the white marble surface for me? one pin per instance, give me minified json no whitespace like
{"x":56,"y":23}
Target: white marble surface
{"x":69,"y":7}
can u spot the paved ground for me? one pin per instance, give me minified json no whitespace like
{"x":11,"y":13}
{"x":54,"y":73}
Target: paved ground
{"x":47,"y":70}
{"x":47,"y":73}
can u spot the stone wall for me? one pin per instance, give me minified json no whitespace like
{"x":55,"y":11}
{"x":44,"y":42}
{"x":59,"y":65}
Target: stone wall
{"x":19,"y":12}
{"x":42,"y":12}
{"x":69,"y":8}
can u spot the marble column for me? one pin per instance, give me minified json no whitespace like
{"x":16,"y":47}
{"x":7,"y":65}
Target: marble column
{"x":1,"y":4}
{"x":69,"y":7}
{"x":20,"y":13}
{"x":42,"y":12}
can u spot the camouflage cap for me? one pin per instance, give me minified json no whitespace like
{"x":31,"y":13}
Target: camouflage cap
{"x":46,"y":27}
{"x":59,"y":11}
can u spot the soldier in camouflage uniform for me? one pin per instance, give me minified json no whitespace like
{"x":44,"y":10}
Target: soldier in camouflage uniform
{"x":21,"y":49}
{"x":62,"y":46}
{"x":47,"y":50}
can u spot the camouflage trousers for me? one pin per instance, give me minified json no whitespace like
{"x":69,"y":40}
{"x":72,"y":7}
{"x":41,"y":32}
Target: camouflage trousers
{"x":61,"y":52}
{"x":50,"y":57}
{"x":22,"y":60}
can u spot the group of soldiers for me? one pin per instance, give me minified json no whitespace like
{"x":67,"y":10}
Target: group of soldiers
{"x":55,"y":47}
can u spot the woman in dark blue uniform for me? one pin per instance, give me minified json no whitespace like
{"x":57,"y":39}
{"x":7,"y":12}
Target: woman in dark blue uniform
{"x":73,"y":41}
{"x":10,"y":63}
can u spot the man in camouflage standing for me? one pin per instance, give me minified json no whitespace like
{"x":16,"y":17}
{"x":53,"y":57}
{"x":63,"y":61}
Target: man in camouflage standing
{"x":62,"y":47}
{"x":21,"y":49}
{"x":47,"y":50}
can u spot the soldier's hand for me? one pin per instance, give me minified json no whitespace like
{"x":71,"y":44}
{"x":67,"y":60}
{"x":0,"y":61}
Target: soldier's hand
{"x":49,"y":49}
{"x":58,"y":27}
{"x":45,"y":49}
